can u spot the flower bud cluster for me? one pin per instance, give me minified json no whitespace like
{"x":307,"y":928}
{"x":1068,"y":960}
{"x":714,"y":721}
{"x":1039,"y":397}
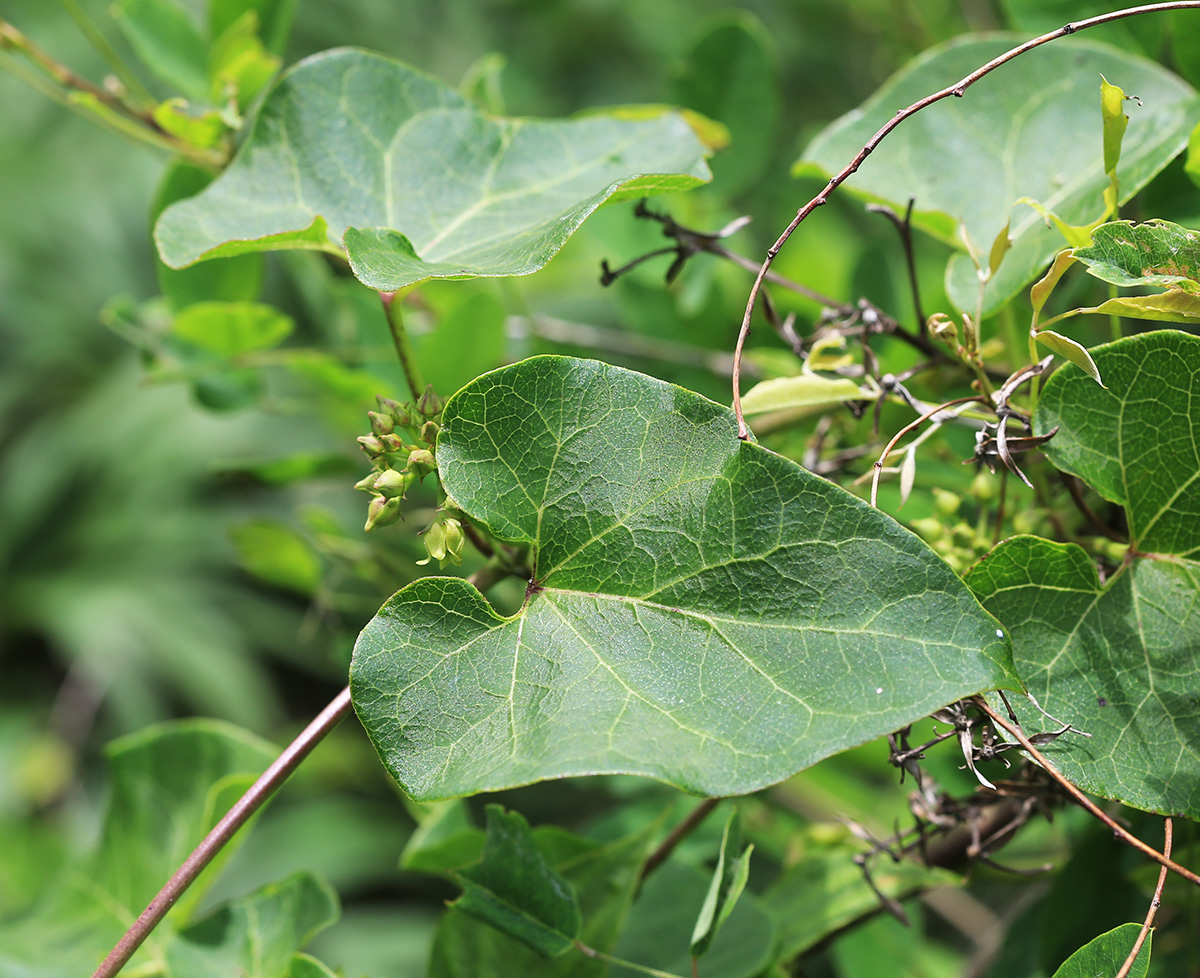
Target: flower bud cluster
{"x":401,"y":449}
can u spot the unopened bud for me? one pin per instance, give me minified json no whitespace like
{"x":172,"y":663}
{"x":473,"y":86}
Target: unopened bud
{"x":392,"y":443}
{"x":382,"y":512}
{"x":946,"y":503}
{"x":394,"y":409}
{"x":983,"y":487}
{"x":421,"y":462}
{"x":381,"y":424}
{"x":371,"y":445}
{"x":391,"y":483}
{"x":429,"y":432}
{"x":367,"y":484}
{"x":429,"y":404}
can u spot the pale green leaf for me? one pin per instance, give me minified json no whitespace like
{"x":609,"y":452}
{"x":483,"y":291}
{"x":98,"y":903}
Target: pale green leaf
{"x":728,"y":881}
{"x":1112,"y":111}
{"x":514,"y":889}
{"x":1154,"y":253}
{"x":1106,"y":954}
{"x":167,"y":41}
{"x":808,"y":390}
{"x":1069,"y":349}
{"x":657,"y":934}
{"x":274,"y":18}
{"x":1041,"y":289}
{"x":230,"y":329}
{"x":355,"y":148}
{"x":1031,"y":129}
{"x":703,"y":611}
{"x":1164,"y":307}
{"x":274,"y":552}
{"x":258,"y":935}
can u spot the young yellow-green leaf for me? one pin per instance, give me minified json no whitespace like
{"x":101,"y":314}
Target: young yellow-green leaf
{"x":230,"y":329}
{"x":1040,"y":291}
{"x":1029,"y":129}
{"x":728,"y":882}
{"x":1070,"y":350}
{"x":355,"y":150}
{"x":1106,"y":954}
{"x":808,"y":390}
{"x":514,"y":889}
{"x":1112,"y":111}
{"x":274,"y":552}
{"x":1154,"y":253}
{"x":703,"y":611}
{"x":1118,"y":660}
{"x":258,"y":935}
{"x":274,"y":18}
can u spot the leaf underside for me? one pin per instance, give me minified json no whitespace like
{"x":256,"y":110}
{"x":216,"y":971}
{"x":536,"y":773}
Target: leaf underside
{"x":704,"y":611}
{"x":355,"y":152}
{"x":1122,"y":660}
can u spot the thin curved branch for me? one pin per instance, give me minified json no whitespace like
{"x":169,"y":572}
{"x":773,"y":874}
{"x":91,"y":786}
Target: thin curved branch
{"x":1154,"y":904}
{"x":234,"y":819}
{"x":958,"y":89}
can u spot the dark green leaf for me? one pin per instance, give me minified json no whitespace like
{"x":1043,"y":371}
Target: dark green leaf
{"x":704,"y":611}
{"x":418,"y":183}
{"x":514,"y":890}
{"x":1029,"y":129}
{"x":602,"y":876}
{"x":1106,"y":954}
{"x":728,"y":882}
{"x":660,"y":925}
{"x":230,"y":329}
{"x":168,"y":42}
{"x":1154,"y":253}
{"x":1120,"y":661}
{"x":1137,"y":443}
{"x":445,"y":839}
{"x":729,"y":75}
{"x":258,"y":935}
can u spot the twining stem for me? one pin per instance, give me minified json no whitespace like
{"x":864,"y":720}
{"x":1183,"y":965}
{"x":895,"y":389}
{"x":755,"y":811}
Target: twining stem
{"x":1154,"y":902}
{"x":132,"y":83}
{"x":404,"y":350}
{"x":234,"y":819}
{"x":958,"y":89}
{"x":1119,"y":831}
{"x":591,"y":952}
{"x":878,"y":466}
{"x":678,"y":834}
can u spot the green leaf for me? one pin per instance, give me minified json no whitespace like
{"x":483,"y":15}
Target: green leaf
{"x":168,"y":42}
{"x":445,"y":839}
{"x":274,"y":18}
{"x":1115,"y":122}
{"x":1154,"y":253}
{"x":1029,"y":129}
{"x":467,"y":342}
{"x":808,"y":390}
{"x":1119,"y":661}
{"x":277,"y":554}
{"x":1070,"y":350}
{"x":659,"y":927}
{"x":603,"y":877}
{"x":729,"y":75}
{"x":514,"y":890}
{"x":825,"y":892}
{"x":1041,"y":289}
{"x":175,"y":116}
{"x":1163,"y":307}
{"x":225,"y":279}
{"x":703,"y":611}
{"x":170,"y":785}
{"x":418,"y":183}
{"x":258,"y":935}
{"x":1106,"y":954}
{"x":231,"y":329}
{"x":239,"y":64}
{"x":728,"y":882}
{"x":1138,"y":443}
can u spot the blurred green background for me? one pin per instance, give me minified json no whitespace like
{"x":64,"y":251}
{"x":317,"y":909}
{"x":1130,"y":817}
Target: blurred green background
{"x":162,"y":558}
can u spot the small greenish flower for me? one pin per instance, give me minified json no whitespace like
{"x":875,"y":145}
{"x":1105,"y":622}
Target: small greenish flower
{"x":382,"y":512}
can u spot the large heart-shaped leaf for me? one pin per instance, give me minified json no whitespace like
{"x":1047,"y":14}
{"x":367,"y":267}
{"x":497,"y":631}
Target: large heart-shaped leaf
{"x":354,"y":151}
{"x":1119,"y":660}
{"x":1031,"y":128}
{"x":703,"y":611}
